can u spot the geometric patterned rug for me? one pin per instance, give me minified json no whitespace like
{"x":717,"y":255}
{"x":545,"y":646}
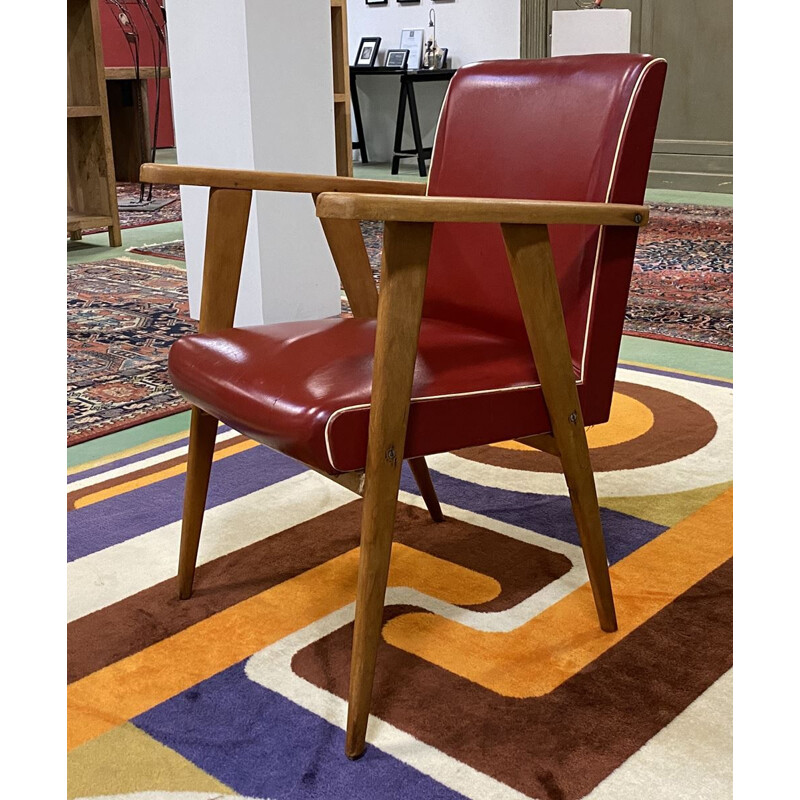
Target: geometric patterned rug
{"x":682,"y":285}
{"x":493,"y":678}
{"x":122,"y":317}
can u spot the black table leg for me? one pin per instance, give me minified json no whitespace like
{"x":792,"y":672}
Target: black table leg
{"x":412,"y":107}
{"x":398,"y":131}
{"x":362,"y":142}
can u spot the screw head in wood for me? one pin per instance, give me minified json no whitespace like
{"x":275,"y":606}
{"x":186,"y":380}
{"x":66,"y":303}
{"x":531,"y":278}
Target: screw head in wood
{"x":637,"y":218}
{"x":573,"y":417}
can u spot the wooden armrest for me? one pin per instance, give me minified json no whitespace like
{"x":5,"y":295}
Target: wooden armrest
{"x":271,"y":181}
{"x":477,"y":209}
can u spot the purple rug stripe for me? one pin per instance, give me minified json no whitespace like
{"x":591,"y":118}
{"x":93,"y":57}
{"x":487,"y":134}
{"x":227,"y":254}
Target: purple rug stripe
{"x":669,"y":374}
{"x":263,"y":745}
{"x":543,"y":513}
{"x":123,"y":462}
{"x":132,"y":514}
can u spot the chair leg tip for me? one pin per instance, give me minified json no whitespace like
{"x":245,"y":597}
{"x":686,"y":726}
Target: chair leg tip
{"x":355,"y":754}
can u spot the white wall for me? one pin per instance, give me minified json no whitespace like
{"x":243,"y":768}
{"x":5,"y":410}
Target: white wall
{"x":472,"y":30}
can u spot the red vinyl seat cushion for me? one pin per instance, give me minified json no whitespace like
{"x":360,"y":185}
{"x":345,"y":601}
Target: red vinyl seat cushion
{"x":304,"y":387}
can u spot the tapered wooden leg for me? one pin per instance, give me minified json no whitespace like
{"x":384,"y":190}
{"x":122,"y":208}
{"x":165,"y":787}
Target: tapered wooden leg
{"x":406,"y":249}
{"x":585,"y":508}
{"x":202,"y":435}
{"x":531,"y":261}
{"x":228,"y":212}
{"x":419,"y":469}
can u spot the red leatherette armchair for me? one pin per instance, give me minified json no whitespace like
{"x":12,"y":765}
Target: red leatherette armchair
{"x":502,"y":301}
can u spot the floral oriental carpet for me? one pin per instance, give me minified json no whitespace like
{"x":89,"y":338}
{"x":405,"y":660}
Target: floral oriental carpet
{"x":122,"y":317}
{"x":123,"y":314}
{"x":682,"y":286}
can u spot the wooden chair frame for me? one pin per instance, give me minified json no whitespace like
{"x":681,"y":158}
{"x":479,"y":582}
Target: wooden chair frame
{"x":409,"y":218}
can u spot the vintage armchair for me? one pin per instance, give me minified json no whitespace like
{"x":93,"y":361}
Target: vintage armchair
{"x":502,"y":299}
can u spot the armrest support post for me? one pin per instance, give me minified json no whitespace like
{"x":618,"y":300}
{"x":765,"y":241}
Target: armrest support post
{"x":228,"y":214}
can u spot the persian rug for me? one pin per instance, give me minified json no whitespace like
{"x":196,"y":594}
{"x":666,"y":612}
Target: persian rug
{"x":129,"y":193}
{"x":174,"y":251}
{"x":122,"y":316}
{"x":682,"y":286}
{"x":682,"y":283}
{"x":493,"y":681}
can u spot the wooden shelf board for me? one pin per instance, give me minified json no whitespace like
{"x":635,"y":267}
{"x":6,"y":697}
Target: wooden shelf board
{"x":339,"y":97}
{"x":129,"y":73}
{"x":84,"y":111}
{"x":77,"y":221}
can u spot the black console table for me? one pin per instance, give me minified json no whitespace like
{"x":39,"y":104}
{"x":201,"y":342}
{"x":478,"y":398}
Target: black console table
{"x":407,"y":98}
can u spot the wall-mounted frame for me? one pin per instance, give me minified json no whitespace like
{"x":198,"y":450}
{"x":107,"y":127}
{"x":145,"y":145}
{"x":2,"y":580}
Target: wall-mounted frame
{"x":408,"y":2}
{"x":396,"y":58}
{"x":377,"y":2}
{"x":368,"y":51}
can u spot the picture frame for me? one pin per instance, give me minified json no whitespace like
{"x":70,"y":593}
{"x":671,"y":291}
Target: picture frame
{"x":396,"y":58}
{"x":367,"y":51}
{"x":377,"y":2}
{"x":413,"y":40}
{"x":443,"y":57}
{"x":408,"y":2}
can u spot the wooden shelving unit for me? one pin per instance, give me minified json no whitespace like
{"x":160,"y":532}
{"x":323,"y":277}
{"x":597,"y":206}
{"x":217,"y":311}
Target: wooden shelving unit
{"x":341,"y":89}
{"x":91,"y":186}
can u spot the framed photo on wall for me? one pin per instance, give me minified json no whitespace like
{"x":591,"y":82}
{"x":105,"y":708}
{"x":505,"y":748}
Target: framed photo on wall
{"x":368,"y":51}
{"x":396,"y":58}
{"x":413,"y":40}
{"x":377,"y":2}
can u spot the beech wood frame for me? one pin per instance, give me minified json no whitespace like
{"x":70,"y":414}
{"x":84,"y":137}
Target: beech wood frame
{"x":409,"y":219}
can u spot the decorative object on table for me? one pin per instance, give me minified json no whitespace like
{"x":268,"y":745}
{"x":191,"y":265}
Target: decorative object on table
{"x":396,"y":58}
{"x":432,"y":58}
{"x":441,"y":59}
{"x":368,"y":51}
{"x":413,"y":40}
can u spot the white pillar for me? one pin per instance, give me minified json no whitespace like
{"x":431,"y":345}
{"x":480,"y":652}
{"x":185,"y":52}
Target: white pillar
{"x":252,"y":88}
{"x":593,"y":30}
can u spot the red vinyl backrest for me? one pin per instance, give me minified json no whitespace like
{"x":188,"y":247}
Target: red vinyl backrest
{"x":568,"y":128}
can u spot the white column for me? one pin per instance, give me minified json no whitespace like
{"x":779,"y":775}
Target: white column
{"x":252,"y":88}
{"x":580,"y":32}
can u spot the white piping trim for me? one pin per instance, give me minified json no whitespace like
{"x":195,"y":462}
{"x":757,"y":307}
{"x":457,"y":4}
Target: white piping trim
{"x":579,"y":382}
{"x":362,"y":406}
{"x":612,"y":178}
{"x":436,"y":132}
